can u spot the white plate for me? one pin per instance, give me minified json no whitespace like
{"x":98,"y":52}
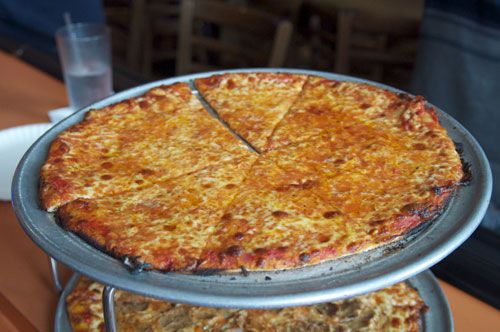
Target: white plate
{"x":14,"y":142}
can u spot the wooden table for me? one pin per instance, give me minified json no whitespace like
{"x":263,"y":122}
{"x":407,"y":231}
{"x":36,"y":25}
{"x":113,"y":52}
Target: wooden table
{"x":27,"y":296}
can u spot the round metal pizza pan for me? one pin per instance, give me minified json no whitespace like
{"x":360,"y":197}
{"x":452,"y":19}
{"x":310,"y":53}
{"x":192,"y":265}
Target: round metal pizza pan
{"x":437,"y":318}
{"x":350,"y":276}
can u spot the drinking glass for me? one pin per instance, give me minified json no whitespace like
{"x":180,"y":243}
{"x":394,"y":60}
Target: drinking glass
{"x":85,"y":54}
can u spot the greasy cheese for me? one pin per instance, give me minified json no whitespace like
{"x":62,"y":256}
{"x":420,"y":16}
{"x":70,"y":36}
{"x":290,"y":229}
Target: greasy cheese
{"x":251,"y":103}
{"x":164,"y":226}
{"x":326,"y":105}
{"x":362,"y":182}
{"x":133,"y":144}
{"x":396,"y":308}
{"x":343,"y":167}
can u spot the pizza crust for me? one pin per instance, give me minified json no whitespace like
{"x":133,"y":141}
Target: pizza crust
{"x":343,"y":167}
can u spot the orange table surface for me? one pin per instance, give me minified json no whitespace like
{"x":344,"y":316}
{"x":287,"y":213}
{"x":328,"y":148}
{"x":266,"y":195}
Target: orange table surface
{"x":27,"y":297}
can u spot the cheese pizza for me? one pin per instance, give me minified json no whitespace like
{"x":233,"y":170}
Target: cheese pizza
{"x":251,"y":103}
{"x":337,"y":168}
{"x":396,"y":308}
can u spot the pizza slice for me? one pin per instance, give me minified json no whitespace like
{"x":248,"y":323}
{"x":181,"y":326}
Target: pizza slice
{"x":327,"y":105}
{"x":135,"y":143}
{"x":164,"y":226}
{"x":276,"y":221}
{"x":252,"y":104}
{"x":380,"y":182}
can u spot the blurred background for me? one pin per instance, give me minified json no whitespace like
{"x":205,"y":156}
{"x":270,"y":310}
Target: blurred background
{"x":448,"y":51}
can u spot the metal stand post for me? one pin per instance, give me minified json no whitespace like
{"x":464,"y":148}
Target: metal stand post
{"x":109,"y":308}
{"x":55,"y":274}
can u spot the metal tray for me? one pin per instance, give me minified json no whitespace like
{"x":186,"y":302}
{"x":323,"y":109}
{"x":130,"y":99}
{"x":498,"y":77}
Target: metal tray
{"x":350,"y":276}
{"x":438,"y":318}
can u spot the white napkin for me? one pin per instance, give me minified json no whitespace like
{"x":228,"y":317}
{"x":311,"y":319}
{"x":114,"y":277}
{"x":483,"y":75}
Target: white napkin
{"x":60,"y":113}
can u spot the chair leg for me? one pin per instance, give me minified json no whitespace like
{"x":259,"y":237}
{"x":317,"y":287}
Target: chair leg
{"x":344,"y":31}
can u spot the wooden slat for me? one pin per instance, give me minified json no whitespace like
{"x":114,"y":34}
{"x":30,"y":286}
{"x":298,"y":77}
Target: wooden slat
{"x":223,"y":47}
{"x":136,"y":32}
{"x":184,"y":55}
{"x":234,"y":16}
{"x":280,"y":46}
{"x":344,"y":29}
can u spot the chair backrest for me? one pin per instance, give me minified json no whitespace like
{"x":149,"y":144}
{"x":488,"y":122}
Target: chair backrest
{"x":216,"y":34}
{"x":362,"y":43}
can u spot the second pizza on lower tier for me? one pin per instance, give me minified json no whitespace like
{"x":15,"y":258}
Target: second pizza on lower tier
{"x":396,"y":308}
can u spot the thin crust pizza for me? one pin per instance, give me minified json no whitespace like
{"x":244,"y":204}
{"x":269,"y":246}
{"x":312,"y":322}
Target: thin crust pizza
{"x":252,"y":104}
{"x":133,"y":144}
{"x":166,"y":225}
{"x":396,"y":308}
{"x":340,"y":168}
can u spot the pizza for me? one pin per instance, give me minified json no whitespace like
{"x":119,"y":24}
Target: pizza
{"x":133,"y":144}
{"x":334,"y":168}
{"x":396,"y":308}
{"x":252,"y":104}
{"x":166,"y":224}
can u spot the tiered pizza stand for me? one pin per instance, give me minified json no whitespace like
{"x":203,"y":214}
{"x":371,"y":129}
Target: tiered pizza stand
{"x":343,"y":278}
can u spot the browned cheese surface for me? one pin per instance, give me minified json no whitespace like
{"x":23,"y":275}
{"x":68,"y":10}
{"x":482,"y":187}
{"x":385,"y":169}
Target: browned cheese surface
{"x":396,"y":308}
{"x":342,"y":167}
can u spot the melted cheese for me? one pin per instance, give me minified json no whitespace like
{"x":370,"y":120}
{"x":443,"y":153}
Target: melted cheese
{"x":164,"y":226}
{"x":396,"y":308}
{"x":251,"y":104}
{"x":133,"y":144}
{"x":344,"y":167}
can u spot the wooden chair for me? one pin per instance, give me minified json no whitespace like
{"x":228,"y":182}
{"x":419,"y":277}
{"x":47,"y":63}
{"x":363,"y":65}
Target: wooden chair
{"x":360,"y":43}
{"x":125,"y":18}
{"x":160,"y":33}
{"x":216,"y":34}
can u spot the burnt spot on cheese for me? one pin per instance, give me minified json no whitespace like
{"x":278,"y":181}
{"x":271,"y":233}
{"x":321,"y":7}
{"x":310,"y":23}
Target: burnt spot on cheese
{"x":260,"y":251}
{"x":238,"y":236}
{"x":282,"y":248}
{"x":419,"y":146}
{"x":279,"y":214}
{"x":226,"y":217}
{"x":234,"y":251}
{"x":395,"y":322}
{"x":58,"y":160}
{"x":412,"y":209}
{"x":375,"y":223}
{"x":139,"y":181}
{"x":230,"y":186}
{"x":331,"y":214}
{"x":143,"y":104}
{"x":404,"y":96}
{"x":304,"y":257}
{"x":467,"y":171}
{"x":353,"y":246}
{"x":364,"y":106}
{"x":106,"y":177}
{"x":146,"y":171}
